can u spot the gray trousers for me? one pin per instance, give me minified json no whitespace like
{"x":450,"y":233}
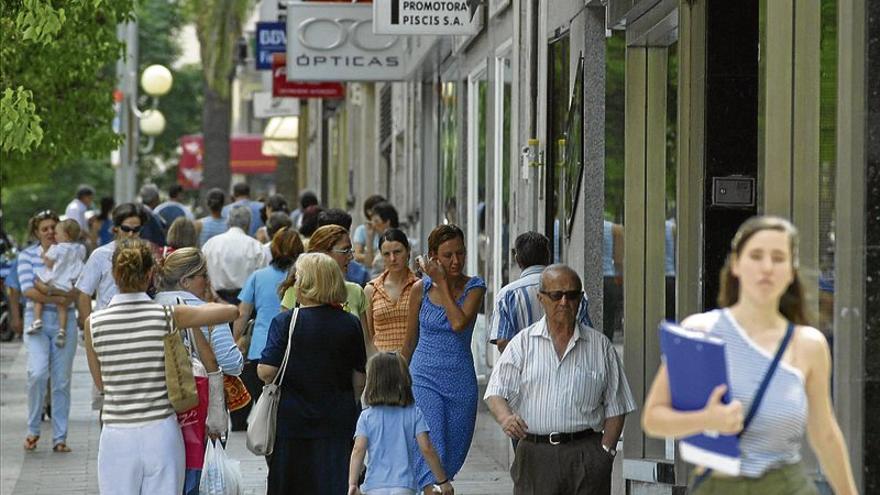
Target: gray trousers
{"x":581,"y":467}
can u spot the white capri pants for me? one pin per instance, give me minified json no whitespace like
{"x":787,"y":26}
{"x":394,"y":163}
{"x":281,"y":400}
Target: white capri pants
{"x":145,"y":459}
{"x":390,"y":491}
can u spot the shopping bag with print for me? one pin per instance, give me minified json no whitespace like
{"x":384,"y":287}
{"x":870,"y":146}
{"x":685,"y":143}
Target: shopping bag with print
{"x":221,"y":475}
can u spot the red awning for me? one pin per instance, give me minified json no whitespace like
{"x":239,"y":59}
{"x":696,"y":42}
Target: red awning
{"x":245,"y":157}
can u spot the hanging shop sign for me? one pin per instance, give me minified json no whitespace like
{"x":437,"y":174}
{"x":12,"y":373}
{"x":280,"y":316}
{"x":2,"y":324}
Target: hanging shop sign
{"x":335,"y":42}
{"x":425,"y":17}
{"x":271,"y":38}
{"x":281,"y":87}
{"x":266,"y":106}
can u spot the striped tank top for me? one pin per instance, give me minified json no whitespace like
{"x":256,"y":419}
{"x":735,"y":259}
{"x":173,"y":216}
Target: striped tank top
{"x":210,"y":227}
{"x":776,"y":432}
{"x":127,"y":338}
{"x":389,"y":318}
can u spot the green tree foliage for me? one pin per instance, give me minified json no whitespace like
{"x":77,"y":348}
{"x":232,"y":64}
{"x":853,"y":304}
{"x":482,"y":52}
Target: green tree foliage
{"x":219,"y":25}
{"x":159,"y":26}
{"x":56,"y":81}
{"x":22,"y":201}
{"x":615,"y":103}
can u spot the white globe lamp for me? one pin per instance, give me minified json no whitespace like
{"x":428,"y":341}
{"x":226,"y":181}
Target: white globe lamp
{"x":156,"y":80}
{"x":152,"y":123}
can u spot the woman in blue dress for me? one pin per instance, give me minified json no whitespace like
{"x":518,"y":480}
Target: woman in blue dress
{"x":443,"y":309}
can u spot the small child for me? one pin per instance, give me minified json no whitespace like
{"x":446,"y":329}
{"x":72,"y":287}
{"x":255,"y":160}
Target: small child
{"x":389,"y":430}
{"x":63,"y":263}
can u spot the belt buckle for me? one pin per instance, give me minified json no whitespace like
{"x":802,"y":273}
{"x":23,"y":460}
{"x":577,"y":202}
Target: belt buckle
{"x":550,"y":438}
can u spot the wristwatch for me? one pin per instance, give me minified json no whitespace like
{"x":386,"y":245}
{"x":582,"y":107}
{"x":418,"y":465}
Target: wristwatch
{"x":611,"y":451}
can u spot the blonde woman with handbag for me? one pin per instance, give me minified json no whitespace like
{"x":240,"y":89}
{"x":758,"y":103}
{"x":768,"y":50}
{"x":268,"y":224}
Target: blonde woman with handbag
{"x":323,"y":376}
{"x":141,"y":447}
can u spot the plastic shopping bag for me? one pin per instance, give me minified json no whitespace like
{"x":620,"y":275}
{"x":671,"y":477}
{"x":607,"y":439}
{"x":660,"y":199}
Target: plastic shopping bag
{"x":221,"y":475}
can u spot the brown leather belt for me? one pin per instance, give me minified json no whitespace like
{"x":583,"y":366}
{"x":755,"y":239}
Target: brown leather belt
{"x":557,"y":438}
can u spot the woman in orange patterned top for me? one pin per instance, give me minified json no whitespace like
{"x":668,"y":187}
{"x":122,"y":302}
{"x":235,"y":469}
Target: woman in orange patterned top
{"x":389,"y":295}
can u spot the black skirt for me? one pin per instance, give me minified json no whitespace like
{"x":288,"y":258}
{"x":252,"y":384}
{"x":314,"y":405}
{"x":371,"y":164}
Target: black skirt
{"x":317,"y":466}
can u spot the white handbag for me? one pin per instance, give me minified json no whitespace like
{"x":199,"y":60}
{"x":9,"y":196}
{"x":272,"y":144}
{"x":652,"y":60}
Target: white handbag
{"x":261,"y":421}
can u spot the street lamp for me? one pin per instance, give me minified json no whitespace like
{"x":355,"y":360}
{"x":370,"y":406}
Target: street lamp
{"x":156,"y":81}
{"x":152,"y":123}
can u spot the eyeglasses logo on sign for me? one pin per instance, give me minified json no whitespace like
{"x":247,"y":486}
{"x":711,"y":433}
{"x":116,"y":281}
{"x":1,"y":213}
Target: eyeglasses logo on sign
{"x":345,"y":31}
{"x":336,"y":42}
{"x":327,"y":35}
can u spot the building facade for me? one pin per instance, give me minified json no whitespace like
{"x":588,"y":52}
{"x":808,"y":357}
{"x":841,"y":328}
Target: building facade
{"x":638,"y":135}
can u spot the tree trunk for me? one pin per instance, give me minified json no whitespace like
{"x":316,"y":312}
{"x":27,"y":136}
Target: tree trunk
{"x":285,"y":179}
{"x":216,"y":125}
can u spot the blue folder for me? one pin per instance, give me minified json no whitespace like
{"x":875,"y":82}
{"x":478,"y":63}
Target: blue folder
{"x":696,"y":364}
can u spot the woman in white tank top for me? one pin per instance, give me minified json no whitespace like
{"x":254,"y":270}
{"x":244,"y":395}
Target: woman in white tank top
{"x":761,"y":293}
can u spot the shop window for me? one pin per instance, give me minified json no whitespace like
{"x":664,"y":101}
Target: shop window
{"x":501,"y":175}
{"x":558,"y":61}
{"x":670,"y":227}
{"x":571,"y":165}
{"x":827,"y":165}
{"x":612,"y":232}
{"x":478,"y":210}
{"x":449,"y":152}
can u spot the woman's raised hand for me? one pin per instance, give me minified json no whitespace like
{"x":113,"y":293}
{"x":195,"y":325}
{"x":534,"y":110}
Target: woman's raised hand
{"x":726,"y":419}
{"x":432,"y":268}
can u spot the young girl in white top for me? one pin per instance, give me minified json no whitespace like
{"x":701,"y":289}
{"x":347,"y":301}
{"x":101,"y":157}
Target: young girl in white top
{"x":63,"y":262}
{"x":389,"y":429}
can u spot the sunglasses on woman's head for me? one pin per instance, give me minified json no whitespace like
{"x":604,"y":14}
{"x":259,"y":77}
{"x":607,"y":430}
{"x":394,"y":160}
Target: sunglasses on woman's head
{"x":130,"y":230}
{"x":43,"y":215}
{"x":570,"y":295}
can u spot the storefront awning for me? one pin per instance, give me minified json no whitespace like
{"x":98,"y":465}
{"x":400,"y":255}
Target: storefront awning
{"x":245,"y":157}
{"x":280,"y":137}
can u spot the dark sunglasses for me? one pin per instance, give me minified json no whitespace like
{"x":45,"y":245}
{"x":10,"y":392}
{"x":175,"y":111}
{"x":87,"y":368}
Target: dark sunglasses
{"x":570,"y":295}
{"x":130,"y":230}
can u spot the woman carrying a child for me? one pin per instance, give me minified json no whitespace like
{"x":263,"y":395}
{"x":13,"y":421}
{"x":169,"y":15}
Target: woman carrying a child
{"x":46,"y":356}
{"x":63,"y":262}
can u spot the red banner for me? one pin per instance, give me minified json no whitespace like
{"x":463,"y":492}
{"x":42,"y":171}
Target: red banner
{"x":245,"y":157}
{"x":281,"y":87}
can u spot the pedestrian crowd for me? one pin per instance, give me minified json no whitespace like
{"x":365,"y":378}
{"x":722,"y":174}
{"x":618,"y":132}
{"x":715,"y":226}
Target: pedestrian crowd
{"x":370,"y":346}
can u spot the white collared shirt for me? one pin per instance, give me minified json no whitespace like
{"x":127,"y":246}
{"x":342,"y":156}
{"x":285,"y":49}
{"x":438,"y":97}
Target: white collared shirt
{"x":76,"y":210}
{"x":231,"y":257}
{"x":97,"y":276}
{"x":575,"y":393}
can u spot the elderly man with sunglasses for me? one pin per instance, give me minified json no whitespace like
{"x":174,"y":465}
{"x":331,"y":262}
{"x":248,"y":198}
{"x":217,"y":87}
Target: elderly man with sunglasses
{"x":560,"y":389}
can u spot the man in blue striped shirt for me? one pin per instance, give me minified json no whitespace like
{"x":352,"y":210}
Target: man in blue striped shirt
{"x":516,"y":304}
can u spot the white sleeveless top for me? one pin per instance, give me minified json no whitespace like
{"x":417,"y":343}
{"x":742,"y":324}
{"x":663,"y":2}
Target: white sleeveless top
{"x":774,"y":437}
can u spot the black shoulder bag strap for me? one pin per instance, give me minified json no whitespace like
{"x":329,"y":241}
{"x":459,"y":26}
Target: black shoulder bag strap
{"x":759,"y":396}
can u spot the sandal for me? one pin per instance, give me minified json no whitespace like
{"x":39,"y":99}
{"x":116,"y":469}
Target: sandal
{"x":61,"y":447}
{"x":30,"y":442}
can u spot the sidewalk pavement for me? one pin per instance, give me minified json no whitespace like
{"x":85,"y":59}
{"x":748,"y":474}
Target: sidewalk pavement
{"x":45,"y":472}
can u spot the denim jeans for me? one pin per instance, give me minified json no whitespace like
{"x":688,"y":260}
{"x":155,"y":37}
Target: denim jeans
{"x":46,"y":360}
